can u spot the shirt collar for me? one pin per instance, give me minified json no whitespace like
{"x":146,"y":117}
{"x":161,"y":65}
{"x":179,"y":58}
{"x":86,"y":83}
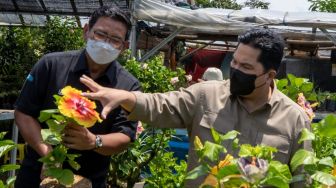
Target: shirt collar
{"x":82,"y":67}
{"x":275,"y":95}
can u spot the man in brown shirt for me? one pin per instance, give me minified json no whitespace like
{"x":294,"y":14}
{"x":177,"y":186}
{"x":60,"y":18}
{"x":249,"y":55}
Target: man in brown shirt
{"x":249,"y":102}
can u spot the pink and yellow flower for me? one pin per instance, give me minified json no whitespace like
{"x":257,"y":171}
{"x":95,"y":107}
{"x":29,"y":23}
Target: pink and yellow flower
{"x":211,"y":178}
{"x":140,"y":129}
{"x":73,"y":105}
{"x":301,"y":100}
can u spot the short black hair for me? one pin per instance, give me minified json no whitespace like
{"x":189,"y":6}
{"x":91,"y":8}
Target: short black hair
{"x":112,"y":12}
{"x":269,"y":42}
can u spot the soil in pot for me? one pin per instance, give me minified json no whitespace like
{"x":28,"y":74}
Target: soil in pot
{"x":80,"y":182}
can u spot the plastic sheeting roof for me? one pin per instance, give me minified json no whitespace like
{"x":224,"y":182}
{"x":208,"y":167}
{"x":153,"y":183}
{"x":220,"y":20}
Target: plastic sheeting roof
{"x":35,"y":12}
{"x":213,"y":20}
{"x":208,"y":21}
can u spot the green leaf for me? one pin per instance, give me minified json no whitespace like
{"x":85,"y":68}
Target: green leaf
{"x":54,"y":172}
{"x":10,"y":181}
{"x":198,"y":144}
{"x":324,"y":178}
{"x":278,"y":175}
{"x":281,"y":170}
{"x":291,"y":78}
{"x":8,"y":167}
{"x":293,"y":92}
{"x":67,"y":177}
{"x":312,"y":97}
{"x":50,"y":137}
{"x":298,"y":82}
{"x":302,"y":157}
{"x":306,"y":135}
{"x":46,"y":133}
{"x":215,"y":135}
{"x":64,"y":176}
{"x":73,"y":156}
{"x":307,"y":87}
{"x":328,"y":126}
{"x":282,"y":83}
{"x":235,"y":143}
{"x":328,"y":161}
{"x":74,"y":164}
{"x":60,"y":153}
{"x":230,"y":135}
{"x":2,"y":135}
{"x":228,"y":170}
{"x":212,"y":151}
{"x":276,"y":181}
{"x":197,"y":172}
{"x":55,"y":126}
{"x":46,"y":114}
{"x":6,"y":146}
{"x":59,"y":118}
{"x":57,"y":98}
{"x":245,"y":150}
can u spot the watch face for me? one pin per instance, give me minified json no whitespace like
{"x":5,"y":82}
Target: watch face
{"x":99,"y":142}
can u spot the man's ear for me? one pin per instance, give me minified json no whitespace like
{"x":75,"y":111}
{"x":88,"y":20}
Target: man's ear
{"x":86,"y":31}
{"x":126,"y":46}
{"x":272,"y":74}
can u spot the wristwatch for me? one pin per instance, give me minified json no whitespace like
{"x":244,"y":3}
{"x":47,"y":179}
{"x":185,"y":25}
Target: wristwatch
{"x":99,"y":142}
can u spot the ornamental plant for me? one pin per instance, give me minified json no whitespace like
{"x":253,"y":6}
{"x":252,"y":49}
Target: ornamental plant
{"x":5,"y":147}
{"x":254,"y":166}
{"x":72,"y":108}
{"x":292,"y":86}
{"x":319,"y":166}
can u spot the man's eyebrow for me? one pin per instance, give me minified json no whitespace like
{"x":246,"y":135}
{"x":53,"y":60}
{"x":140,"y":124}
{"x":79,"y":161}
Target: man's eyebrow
{"x":246,"y":63}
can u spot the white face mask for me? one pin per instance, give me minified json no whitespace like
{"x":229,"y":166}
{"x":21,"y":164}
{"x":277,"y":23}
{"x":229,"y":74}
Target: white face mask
{"x":101,"y":52}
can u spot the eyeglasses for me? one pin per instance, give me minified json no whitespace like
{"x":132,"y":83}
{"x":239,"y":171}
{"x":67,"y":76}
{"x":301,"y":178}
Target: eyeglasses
{"x":116,"y":42}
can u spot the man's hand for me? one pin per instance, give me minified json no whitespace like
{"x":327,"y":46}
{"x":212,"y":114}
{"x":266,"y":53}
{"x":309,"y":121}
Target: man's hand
{"x":78,"y":137}
{"x":110,"y":98}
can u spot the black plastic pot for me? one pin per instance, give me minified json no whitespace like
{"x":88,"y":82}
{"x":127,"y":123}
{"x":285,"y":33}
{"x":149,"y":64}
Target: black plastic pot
{"x":331,"y":105}
{"x":323,"y":106}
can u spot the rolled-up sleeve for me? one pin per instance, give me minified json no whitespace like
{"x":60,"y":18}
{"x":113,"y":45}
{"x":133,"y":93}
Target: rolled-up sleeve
{"x":167,"y":110}
{"x":122,"y":125}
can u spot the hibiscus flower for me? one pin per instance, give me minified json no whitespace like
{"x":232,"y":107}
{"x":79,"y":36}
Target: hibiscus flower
{"x":73,"y":105}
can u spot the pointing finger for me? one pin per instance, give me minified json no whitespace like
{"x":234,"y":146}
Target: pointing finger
{"x":93,"y":96}
{"x":92,"y":85}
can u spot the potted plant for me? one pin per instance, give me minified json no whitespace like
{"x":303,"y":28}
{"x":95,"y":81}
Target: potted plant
{"x":254,"y":166}
{"x":57,"y":119}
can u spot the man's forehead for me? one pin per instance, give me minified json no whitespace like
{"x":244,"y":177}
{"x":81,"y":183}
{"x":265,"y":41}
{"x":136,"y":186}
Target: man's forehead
{"x":246,"y":54}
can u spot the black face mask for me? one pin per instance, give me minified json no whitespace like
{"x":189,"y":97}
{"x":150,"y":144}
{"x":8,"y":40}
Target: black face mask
{"x":242,"y":83}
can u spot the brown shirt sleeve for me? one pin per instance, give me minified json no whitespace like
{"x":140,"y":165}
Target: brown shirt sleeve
{"x":167,"y":110}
